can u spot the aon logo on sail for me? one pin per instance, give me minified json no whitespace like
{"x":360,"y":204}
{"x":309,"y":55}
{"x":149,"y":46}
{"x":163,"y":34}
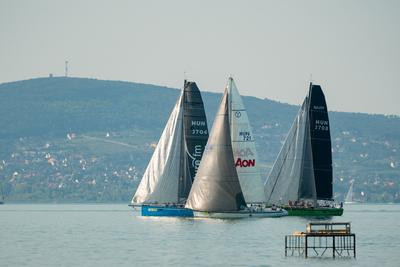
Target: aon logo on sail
{"x":245,"y":163}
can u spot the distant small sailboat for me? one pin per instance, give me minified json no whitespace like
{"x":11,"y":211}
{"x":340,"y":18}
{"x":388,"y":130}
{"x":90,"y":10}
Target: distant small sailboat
{"x":217,"y":190}
{"x":1,"y":195}
{"x":301,"y":177}
{"x":168,"y":178}
{"x":350,"y":195}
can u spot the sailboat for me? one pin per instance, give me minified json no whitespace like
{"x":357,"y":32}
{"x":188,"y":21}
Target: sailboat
{"x":217,"y":190}
{"x":1,"y":195}
{"x":350,"y":196}
{"x":168,"y":178}
{"x":301,"y":177}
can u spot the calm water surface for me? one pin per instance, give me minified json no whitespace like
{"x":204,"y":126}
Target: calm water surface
{"x":113,"y":235}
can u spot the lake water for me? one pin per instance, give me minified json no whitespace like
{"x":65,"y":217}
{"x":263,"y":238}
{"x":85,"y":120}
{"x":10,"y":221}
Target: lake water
{"x":113,"y":235}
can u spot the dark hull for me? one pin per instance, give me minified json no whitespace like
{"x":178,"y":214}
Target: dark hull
{"x":318,"y":212}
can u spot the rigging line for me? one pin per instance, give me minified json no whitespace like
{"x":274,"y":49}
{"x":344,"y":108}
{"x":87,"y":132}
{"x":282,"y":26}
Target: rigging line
{"x":109,"y":141}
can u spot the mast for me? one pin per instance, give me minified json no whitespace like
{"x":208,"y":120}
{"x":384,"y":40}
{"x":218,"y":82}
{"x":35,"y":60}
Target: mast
{"x":182,"y":181}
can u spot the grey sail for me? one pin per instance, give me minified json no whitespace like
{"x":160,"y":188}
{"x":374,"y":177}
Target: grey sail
{"x":291,"y":177}
{"x":307,"y":188}
{"x":216,"y":187}
{"x":195,"y":137}
{"x":160,"y":182}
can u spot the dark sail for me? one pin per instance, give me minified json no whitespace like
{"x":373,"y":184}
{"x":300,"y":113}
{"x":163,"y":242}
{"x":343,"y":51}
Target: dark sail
{"x":320,"y":142}
{"x":195,"y":136}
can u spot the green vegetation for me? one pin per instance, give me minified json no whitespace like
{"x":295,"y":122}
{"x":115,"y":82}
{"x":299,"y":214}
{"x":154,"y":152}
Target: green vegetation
{"x":85,"y":140}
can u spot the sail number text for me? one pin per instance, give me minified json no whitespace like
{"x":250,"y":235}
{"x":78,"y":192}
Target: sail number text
{"x":199,"y":131}
{"x":199,"y":124}
{"x":321,"y":125}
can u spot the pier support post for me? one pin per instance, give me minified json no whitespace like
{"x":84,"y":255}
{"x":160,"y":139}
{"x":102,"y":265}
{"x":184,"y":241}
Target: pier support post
{"x":333,"y":245}
{"x":306,"y":246}
{"x":285,"y":246}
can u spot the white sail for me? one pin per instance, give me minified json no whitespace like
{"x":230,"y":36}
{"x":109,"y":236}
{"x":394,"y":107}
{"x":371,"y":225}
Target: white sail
{"x":160,"y":181}
{"x":290,"y":178}
{"x":349,"y":196}
{"x":244,"y":148}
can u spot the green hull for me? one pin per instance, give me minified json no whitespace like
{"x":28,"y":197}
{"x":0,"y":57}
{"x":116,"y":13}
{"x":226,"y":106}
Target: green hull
{"x":319,"y":212}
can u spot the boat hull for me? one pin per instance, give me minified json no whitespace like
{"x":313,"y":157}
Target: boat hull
{"x":319,"y":212}
{"x":237,"y":215}
{"x":162,"y":211}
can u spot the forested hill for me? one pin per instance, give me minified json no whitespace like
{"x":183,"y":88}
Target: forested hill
{"x":76,"y":140}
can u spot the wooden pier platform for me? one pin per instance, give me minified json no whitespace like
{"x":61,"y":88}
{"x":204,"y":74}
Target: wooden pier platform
{"x":321,"y":237}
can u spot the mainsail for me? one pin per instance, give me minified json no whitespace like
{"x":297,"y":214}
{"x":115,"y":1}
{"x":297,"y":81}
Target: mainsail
{"x":303,"y":168}
{"x":217,"y":187}
{"x":321,"y":143}
{"x":171,"y":170}
{"x":244,"y":148}
{"x":195,"y":136}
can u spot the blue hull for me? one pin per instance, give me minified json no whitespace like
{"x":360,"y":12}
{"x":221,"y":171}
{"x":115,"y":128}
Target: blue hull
{"x":166,"y":211}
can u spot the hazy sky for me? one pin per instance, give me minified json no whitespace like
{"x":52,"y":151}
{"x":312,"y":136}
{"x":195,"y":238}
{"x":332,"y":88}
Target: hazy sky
{"x":351,"y":48}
